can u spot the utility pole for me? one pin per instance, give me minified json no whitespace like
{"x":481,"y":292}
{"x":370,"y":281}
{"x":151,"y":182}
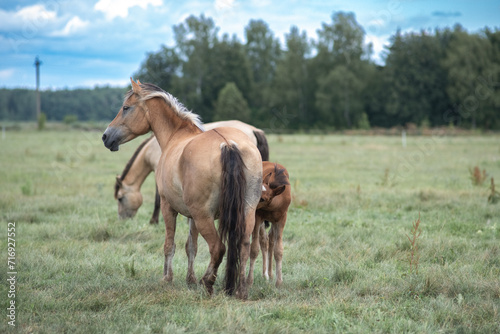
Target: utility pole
{"x":38,"y":102}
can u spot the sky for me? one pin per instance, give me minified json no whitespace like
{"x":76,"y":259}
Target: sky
{"x":84,"y":43}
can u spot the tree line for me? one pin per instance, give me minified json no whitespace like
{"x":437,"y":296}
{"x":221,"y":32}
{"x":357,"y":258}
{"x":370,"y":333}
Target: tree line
{"x":430,"y":78}
{"x":100,"y":103}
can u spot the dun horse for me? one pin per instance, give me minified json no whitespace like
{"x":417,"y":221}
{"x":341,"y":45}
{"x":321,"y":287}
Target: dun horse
{"x":199,"y":175}
{"x":145,"y":159}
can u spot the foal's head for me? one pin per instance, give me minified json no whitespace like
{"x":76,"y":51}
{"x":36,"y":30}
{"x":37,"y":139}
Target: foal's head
{"x":129,"y":199}
{"x":130,"y":122}
{"x":273,"y":184}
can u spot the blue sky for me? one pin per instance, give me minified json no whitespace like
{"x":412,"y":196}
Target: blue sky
{"x":98,"y":42}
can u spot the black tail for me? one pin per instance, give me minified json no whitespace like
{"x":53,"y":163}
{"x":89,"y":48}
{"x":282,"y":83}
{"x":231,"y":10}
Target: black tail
{"x":232,"y":211}
{"x":262,"y":145}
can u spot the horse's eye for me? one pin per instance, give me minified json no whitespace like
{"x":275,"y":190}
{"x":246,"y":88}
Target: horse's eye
{"x":262,"y":200}
{"x":125,"y":108}
{"x":120,"y":199}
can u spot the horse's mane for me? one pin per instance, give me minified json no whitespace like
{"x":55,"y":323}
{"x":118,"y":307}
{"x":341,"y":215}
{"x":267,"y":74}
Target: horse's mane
{"x":129,"y":164}
{"x":280,"y":177}
{"x":150,"y":91}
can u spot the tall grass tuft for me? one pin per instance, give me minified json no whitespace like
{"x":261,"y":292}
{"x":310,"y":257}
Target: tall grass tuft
{"x":477,"y":176}
{"x":494,"y":195}
{"x":414,"y":255}
{"x":27,"y":188}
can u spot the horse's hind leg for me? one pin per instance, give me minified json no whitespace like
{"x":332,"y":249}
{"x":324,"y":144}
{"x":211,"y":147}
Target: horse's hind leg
{"x":264,"y":246}
{"x":242,"y":290}
{"x":271,"y":244}
{"x":216,"y":248}
{"x":278,"y":248}
{"x":254,"y":249}
{"x":191,"y":250}
{"x":169,"y":247}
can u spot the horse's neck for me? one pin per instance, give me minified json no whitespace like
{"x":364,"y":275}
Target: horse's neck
{"x":167,"y":126}
{"x":139,"y":170}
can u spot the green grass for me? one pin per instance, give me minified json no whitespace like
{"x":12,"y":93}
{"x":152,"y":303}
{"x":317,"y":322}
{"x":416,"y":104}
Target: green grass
{"x":345,"y":267}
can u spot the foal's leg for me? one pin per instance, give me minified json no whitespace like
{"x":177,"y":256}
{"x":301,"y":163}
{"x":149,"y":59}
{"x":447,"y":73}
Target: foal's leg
{"x":264,"y":246}
{"x":242,"y":290}
{"x":278,"y":248}
{"x":191,"y":250}
{"x":254,"y":249}
{"x":216,"y":248}
{"x":169,"y":215}
{"x":271,"y":241}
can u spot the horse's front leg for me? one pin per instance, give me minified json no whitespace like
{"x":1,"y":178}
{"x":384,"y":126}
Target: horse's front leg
{"x":169,"y":215}
{"x":254,"y":249}
{"x":191,"y":250}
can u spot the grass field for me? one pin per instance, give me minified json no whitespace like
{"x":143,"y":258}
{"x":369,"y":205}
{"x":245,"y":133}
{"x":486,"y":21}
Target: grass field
{"x":345,"y":267}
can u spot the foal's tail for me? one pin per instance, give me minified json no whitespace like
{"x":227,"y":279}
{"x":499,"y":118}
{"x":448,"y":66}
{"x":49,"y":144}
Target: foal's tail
{"x":232,"y":211}
{"x":262,"y":144}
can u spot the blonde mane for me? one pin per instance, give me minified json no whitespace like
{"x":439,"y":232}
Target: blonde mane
{"x":150,"y":91}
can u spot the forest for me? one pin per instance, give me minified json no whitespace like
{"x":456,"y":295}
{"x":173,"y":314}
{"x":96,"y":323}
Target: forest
{"x":447,"y":76}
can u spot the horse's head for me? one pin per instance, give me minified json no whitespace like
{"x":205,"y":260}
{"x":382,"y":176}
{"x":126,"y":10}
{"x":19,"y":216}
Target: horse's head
{"x":129,"y":199}
{"x":273,"y":184}
{"x":130,"y":122}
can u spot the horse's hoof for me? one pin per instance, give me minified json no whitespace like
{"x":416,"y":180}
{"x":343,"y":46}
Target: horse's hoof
{"x":209,"y":287}
{"x":191,"y":279}
{"x":242,"y":294}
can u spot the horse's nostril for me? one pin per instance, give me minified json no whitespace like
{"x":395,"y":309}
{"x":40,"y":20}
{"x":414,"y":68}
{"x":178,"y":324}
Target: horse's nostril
{"x":104,"y":137}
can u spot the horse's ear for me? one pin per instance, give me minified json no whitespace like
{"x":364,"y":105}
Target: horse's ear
{"x":278,"y":191}
{"x":139,"y":82}
{"x":135,"y":87}
{"x":265,"y":179}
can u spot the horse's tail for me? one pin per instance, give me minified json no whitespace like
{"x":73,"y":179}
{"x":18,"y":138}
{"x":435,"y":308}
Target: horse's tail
{"x":232,"y":211}
{"x":262,"y":144}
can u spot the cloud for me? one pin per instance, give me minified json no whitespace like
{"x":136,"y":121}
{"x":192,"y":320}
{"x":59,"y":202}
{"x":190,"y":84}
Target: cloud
{"x":446,"y":14}
{"x":224,"y":4}
{"x":119,"y":8}
{"x":30,"y":17}
{"x":35,"y":13}
{"x":6,"y":74}
{"x":379,"y":44}
{"x":74,"y":25}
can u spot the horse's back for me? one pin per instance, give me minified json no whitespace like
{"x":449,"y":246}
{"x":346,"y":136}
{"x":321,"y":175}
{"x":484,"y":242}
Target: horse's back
{"x":247,"y":129}
{"x":200,"y":166}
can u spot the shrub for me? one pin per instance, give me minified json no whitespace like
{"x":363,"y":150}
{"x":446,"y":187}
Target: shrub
{"x":70,"y":119}
{"x":42,"y":119}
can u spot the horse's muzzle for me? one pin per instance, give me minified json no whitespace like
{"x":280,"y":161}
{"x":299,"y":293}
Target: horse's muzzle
{"x":111,"y":138}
